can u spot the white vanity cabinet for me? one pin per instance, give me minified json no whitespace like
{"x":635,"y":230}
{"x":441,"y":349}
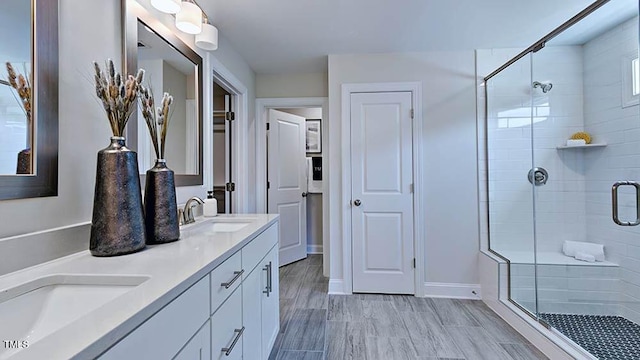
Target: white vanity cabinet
{"x":165,"y":333}
{"x":260,"y":302}
{"x":232,"y":313}
{"x":270,"y":313}
{"x":227,"y":332}
{"x":199,"y":347}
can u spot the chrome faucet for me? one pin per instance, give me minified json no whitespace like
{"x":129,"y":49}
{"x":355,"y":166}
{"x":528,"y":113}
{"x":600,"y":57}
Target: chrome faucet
{"x":187,"y":213}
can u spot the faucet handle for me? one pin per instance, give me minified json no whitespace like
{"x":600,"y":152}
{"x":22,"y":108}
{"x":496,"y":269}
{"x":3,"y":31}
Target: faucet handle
{"x":181,"y":217}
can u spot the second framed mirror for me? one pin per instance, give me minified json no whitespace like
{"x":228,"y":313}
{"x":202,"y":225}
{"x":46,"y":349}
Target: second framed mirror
{"x":170,"y":66}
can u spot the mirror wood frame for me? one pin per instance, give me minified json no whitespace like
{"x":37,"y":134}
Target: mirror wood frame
{"x":132,"y":12}
{"x":44,"y":59}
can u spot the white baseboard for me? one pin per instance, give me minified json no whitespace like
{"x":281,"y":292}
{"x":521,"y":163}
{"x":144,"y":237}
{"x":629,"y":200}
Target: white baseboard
{"x":452,"y":290}
{"x":314,"y":249}
{"x":336,"y":287}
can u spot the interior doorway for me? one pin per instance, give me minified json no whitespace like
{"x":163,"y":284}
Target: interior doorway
{"x":223,"y":116}
{"x":313,"y":190}
{"x":263,"y":107}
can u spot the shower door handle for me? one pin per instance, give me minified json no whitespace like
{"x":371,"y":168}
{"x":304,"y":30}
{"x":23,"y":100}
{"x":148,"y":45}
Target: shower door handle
{"x":614,"y":203}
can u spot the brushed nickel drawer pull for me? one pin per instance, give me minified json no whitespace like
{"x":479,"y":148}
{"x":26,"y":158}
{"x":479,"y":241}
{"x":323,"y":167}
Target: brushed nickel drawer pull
{"x":227,"y":351}
{"x":237,"y":274}
{"x":268,"y":270}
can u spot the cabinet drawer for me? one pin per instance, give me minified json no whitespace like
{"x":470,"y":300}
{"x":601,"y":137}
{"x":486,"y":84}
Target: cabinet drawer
{"x":225,"y":273}
{"x":226,"y":329}
{"x":255,"y":251}
{"x":166,"y":332}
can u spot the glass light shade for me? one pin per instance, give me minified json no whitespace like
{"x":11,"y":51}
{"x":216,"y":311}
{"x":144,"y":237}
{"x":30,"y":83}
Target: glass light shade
{"x":167,"y":6}
{"x":189,"y":19}
{"x":208,"y":38}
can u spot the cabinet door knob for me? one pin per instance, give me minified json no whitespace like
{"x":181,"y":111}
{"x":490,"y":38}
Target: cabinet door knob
{"x":357,"y":202}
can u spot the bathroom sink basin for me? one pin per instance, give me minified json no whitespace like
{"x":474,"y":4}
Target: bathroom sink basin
{"x":33,"y":310}
{"x":227,"y":226}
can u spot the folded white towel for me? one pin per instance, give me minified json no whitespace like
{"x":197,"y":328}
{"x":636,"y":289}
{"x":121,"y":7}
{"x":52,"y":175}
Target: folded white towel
{"x":571,"y":248}
{"x":585,"y":257}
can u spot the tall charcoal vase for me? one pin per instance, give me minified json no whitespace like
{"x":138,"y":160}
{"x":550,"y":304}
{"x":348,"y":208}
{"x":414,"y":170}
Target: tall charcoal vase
{"x":118,"y":225}
{"x":160,"y":207}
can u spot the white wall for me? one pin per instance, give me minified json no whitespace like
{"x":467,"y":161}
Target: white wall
{"x":608,"y":121}
{"x":449,"y":123}
{"x":291,"y":85}
{"x":84,"y":129}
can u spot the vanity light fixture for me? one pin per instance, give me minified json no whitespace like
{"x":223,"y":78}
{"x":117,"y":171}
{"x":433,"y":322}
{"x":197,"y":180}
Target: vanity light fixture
{"x":189,"y":19}
{"x":167,"y":6}
{"x":208,"y":38}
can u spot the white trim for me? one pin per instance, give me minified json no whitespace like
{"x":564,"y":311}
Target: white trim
{"x":336,"y":287}
{"x":628,"y":99}
{"x":418,"y":210}
{"x":262,"y":107}
{"x":314,"y":249}
{"x":452,"y":290}
{"x":240,"y":131}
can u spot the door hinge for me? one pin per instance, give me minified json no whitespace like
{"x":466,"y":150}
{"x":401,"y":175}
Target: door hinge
{"x":268,"y":185}
{"x":411,"y":188}
{"x":230,"y":116}
{"x":414,"y":263}
{"x":267,"y":126}
{"x":412,"y":113}
{"x":230,"y":186}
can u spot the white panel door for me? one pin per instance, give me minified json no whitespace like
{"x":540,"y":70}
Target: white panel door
{"x":288,"y":183}
{"x":382,"y":198}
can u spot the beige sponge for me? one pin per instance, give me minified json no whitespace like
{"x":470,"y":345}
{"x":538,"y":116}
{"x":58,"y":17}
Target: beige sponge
{"x":582,"y":135}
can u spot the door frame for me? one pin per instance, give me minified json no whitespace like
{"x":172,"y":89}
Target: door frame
{"x":239,"y":132}
{"x":262,"y":112}
{"x":418,"y":210}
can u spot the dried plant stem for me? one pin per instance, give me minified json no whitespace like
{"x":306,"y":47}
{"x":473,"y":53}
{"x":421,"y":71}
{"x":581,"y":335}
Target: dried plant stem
{"x":118,"y":96}
{"x":22,"y":85}
{"x":157,"y":119}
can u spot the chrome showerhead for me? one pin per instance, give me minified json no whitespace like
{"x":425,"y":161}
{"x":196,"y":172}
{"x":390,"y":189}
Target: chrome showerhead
{"x":546,"y":87}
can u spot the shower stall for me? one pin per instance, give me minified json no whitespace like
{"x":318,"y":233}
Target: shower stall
{"x":544,"y":192}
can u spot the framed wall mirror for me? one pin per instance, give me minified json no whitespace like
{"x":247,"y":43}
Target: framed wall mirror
{"x":28,"y":99}
{"x":170,"y":66}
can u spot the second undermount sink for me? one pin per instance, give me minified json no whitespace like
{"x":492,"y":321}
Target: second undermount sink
{"x":227,"y":226}
{"x":33,"y":310}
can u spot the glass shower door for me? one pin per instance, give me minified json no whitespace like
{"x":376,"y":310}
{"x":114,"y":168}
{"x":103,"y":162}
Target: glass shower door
{"x":509,"y":158}
{"x":585,"y":81}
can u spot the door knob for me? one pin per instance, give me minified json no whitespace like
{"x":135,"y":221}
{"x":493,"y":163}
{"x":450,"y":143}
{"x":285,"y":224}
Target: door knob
{"x":304,"y":194}
{"x":357,"y":202}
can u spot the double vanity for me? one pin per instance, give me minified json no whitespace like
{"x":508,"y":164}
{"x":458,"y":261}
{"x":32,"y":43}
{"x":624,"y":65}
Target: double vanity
{"x":211,"y":295}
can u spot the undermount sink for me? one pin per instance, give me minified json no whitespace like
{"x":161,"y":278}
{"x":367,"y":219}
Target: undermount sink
{"x":33,"y":310}
{"x":227,"y":226}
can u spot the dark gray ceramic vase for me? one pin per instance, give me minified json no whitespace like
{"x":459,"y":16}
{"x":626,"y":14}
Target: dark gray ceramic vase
{"x":117,"y":227}
{"x":160,"y":206}
{"x":24,"y":162}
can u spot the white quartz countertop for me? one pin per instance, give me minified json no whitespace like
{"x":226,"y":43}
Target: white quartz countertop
{"x":172,"y":268}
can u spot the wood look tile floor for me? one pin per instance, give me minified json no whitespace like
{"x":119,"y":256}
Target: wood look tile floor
{"x":316,"y":326}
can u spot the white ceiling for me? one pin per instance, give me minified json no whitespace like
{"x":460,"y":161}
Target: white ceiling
{"x":295,"y":36}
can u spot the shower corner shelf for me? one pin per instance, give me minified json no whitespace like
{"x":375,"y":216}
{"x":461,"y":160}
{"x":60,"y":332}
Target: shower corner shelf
{"x":586,"y":146}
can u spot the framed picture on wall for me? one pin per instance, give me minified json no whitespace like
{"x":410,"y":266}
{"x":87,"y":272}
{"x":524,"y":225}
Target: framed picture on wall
{"x":314,"y":136}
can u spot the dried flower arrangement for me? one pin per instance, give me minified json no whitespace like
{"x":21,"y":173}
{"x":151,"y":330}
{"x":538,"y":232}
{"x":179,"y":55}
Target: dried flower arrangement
{"x":22,"y":85}
{"x":157,"y":119}
{"x":118,"y":95}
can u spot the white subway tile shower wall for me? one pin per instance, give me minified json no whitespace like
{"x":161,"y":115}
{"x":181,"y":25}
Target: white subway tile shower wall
{"x":568,"y":289}
{"x":608,"y":121}
{"x":553,"y":118}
